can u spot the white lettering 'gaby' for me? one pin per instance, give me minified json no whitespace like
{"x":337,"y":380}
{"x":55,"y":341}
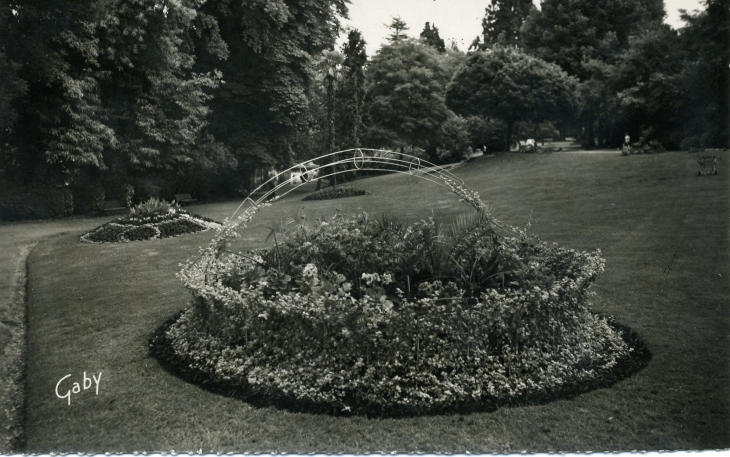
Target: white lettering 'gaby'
{"x":76,"y":387}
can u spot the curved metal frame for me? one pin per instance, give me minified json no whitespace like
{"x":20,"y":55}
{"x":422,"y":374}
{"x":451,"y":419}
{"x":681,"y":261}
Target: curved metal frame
{"x":360,"y":158}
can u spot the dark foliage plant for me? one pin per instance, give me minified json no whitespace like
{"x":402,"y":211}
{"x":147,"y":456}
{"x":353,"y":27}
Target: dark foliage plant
{"x":43,"y":203}
{"x":342,"y":192}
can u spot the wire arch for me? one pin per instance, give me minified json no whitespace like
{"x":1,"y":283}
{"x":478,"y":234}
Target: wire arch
{"x":363,"y":159}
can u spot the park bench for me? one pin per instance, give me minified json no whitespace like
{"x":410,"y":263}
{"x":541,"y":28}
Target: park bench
{"x":184,"y":198}
{"x":111,"y":206}
{"x":708,"y":165}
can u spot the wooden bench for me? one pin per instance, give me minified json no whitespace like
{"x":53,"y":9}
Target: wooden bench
{"x":111,"y":206}
{"x":184,"y":198}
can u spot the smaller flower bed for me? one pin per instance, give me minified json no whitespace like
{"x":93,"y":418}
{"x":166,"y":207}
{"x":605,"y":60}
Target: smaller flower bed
{"x":148,"y":221}
{"x":652,"y":147}
{"x":342,"y":192}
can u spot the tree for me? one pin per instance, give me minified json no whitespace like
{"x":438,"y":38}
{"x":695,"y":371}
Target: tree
{"x":486,"y":134}
{"x":431,"y":36}
{"x":572,"y":32}
{"x":110,"y":89}
{"x":503,"y":20}
{"x":586,"y":38}
{"x":405,"y":95}
{"x":706,"y":76}
{"x":352,"y":90}
{"x":13,"y":86}
{"x":398,"y":27}
{"x":270,"y":73}
{"x":331,"y":71}
{"x":648,"y":83}
{"x":507,"y":84}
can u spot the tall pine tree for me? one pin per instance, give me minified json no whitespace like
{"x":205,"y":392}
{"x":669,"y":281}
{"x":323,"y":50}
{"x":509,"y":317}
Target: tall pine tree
{"x":503,"y":20}
{"x":432,"y":38}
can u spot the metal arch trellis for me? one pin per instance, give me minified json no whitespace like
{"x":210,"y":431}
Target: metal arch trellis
{"x":362,"y":159}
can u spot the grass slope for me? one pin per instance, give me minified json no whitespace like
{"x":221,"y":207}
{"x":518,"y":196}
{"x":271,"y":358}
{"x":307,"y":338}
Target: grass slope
{"x":663,"y":232}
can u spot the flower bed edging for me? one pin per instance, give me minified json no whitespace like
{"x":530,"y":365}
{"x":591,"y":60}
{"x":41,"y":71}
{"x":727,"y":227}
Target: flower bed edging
{"x":161,"y":349}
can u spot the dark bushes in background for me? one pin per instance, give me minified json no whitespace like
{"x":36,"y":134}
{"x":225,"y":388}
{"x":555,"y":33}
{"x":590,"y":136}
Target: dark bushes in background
{"x":42,"y":203}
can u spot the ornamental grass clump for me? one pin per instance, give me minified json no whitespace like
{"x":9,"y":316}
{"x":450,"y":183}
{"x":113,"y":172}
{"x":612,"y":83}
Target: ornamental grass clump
{"x":352,"y":314}
{"x":152,"y":207}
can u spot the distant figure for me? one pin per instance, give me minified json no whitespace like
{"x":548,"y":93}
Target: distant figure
{"x":627,"y":143}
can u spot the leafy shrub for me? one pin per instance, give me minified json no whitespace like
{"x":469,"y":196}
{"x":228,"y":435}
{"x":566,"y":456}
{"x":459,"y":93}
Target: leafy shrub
{"x":145,"y":189}
{"x":691,"y":143}
{"x":652,"y":147}
{"x":453,"y":142}
{"x":44,"y":203}
{"x":340,"y":192}
{"x":379,"y":317}
{"x":150,"y":208}
{"x":59,"y":201}
{"x":88,"y":198}
{"x":127,"y":195}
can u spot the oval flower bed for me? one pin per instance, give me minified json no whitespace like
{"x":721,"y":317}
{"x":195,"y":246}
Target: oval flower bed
{"x":355,"y":315}
{"x":173,"y":222}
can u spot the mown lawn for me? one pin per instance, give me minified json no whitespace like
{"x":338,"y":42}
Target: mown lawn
{"x":664,"y":234}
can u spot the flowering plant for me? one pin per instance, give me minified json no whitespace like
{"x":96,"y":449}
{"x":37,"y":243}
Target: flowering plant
{"x":149,"y":221}
{"x":374,"y":316}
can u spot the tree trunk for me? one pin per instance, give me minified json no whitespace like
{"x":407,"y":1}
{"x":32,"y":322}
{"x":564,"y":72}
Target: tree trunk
{"x":510,"y":124}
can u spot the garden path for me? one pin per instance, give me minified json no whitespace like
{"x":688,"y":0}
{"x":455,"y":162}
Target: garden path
{"x":16,"y":241}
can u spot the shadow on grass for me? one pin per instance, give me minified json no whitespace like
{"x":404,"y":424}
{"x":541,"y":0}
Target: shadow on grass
{"x":161,"y":350}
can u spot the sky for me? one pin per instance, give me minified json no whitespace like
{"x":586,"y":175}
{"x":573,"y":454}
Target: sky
{"x":458,"y":20}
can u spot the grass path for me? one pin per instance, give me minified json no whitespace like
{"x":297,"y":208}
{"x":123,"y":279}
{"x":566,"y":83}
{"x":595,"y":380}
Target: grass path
{"x":664,"y":234}
{"x":16,"y":241}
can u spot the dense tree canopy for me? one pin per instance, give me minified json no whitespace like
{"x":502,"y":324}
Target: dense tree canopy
{"x":141,"y":88}
{"x":706,"y":74}
{"x":507,"y":84}
{"x":272,"y":45}
{"x":648,"y":84}
{"x":405,"y":96}
{"x":586,"y":38}
{"x":110,"y":86}
{"x":196,"y":95}
{"x":503,"y":20}
{"x":572,"y":32}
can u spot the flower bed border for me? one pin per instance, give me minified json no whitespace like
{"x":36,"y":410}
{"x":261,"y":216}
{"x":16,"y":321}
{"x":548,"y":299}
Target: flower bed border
{"x":161,"y":349}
